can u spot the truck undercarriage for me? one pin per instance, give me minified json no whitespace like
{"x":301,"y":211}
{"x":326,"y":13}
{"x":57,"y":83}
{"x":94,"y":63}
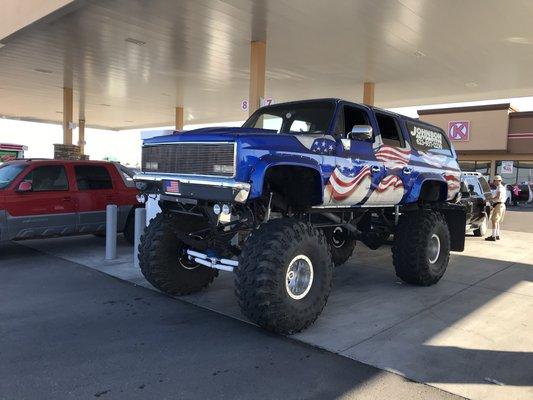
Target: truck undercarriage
{"x":204,"y":237}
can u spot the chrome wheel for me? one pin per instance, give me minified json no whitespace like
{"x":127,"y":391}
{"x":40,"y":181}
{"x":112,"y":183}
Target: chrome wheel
{"x":434,"y":249}
{"x":299,"y":277}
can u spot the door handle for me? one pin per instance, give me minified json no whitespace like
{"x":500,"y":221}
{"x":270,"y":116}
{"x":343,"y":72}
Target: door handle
{"x":67,"y":198}
{"x":407,"y":170}
{"x":375,"y":168}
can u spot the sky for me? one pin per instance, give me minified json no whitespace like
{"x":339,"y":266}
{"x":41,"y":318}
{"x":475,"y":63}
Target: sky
{"x":125,"y":146}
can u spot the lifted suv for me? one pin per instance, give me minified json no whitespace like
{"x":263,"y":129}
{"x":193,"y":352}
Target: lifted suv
{"x":282,"y":199}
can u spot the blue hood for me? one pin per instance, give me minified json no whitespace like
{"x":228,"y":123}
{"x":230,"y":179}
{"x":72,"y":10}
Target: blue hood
{"x":221,"y":133}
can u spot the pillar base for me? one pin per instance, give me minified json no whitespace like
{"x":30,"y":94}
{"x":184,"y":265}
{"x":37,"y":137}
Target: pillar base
{"x":67,"y":152}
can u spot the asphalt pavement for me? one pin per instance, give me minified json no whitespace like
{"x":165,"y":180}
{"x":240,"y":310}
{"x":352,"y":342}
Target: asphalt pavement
{"x":70,"y":332}
{"x":518,"y":219}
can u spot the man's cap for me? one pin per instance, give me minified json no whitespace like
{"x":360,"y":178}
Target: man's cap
{"x":497,"y":178}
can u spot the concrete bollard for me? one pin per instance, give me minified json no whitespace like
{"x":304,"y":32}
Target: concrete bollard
{"x":140,"y":224}
{"x":111,"y":232}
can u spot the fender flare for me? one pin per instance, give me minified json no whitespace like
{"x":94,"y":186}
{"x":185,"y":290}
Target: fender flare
{"x":257,"y":176}
{"x":421,"y":180}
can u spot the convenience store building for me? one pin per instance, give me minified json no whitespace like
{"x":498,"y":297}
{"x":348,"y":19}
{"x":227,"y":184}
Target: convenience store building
{"x":491,"y":139}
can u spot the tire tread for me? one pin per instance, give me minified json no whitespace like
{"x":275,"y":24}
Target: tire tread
{"x":257,"y":276}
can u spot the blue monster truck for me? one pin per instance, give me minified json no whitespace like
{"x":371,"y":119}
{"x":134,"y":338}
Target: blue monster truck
{"x":283,"y":198}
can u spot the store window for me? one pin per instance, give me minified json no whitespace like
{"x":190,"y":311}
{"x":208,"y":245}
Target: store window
{"x":525,"y":172}
{"x":467,"y":166}
{"x":522,"y":172}
{"x":482,"y":167}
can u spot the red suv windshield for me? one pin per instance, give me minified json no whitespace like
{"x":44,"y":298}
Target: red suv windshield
{"x":8,"y":172}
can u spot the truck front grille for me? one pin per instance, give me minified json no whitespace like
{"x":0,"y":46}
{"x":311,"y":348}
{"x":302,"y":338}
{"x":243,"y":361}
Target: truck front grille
{"x":216,"y":159}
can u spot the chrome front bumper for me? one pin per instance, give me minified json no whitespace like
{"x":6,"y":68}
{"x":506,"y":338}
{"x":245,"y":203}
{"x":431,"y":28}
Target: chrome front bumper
{"x":200,"y":187}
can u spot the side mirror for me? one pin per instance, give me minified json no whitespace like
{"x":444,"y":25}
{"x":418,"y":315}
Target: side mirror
{"x":25,"y":187}
{"x":360,"y":132}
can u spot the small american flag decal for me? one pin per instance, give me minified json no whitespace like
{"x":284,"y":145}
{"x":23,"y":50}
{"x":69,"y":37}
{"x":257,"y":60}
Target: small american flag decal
{"x":172,"y":187}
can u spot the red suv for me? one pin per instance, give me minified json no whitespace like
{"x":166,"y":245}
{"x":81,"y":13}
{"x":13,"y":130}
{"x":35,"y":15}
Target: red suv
{"x":42,"y":198}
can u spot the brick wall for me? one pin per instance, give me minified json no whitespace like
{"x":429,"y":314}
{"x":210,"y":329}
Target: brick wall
{"x":67,"y":152}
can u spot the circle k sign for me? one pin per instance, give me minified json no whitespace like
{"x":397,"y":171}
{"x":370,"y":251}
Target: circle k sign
{"x":459,"y":130}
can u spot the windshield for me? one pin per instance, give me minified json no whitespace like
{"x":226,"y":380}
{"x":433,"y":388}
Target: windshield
{"x":8,"y":172}
{"x":127,"y":175}
{"x":296,"y":118}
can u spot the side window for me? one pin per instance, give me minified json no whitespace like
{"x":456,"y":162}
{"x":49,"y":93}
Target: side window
{"x":349,"y":117}
{"x":426,"y":137}
{"x":92,"y":177}
{"x":390,"y":130}
{"x":48,"y":178}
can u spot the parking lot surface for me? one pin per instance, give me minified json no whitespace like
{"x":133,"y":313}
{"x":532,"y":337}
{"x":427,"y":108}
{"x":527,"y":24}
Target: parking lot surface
{"x":70,"y":332}
{"x":470,"y":334}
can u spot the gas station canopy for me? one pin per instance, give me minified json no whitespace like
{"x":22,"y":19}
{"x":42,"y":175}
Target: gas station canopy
{"x":131,"y":62}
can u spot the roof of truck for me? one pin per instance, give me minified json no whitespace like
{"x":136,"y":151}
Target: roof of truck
{"x":370,"y":108}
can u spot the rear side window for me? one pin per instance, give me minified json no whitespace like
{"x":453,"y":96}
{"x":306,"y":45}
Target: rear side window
{"x":48,"y":178}
{"x":92,"y":177}
{"x":425,"y":138}
{"x":389,"y":130}
{"x":484,"y":184}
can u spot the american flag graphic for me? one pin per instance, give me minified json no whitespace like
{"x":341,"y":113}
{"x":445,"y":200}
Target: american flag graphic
{"x":454,"y":184}
{"x":172,"y":187}
{"x":324,"y":146}
{"x":435,"y":160}
{"x":341,"y":186}
{"x":390,"y":182}
{"x":393,"y":157}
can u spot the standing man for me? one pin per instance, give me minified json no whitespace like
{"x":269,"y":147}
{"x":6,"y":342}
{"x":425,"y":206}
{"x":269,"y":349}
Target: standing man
{"x":498,"y":210}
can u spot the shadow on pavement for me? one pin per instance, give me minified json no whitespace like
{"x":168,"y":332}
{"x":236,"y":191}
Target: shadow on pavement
{"x":70,"y":332}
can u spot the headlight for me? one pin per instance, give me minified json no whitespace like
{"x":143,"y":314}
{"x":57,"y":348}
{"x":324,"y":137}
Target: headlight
{"x":221,"y":168}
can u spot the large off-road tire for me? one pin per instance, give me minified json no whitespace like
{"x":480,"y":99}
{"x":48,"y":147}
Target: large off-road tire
{"x":421,"y":249}
{"x":483,"y":228}
{"x":284,"y":275}
{"x":163,"y":260}
{"x":341,"y":244}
